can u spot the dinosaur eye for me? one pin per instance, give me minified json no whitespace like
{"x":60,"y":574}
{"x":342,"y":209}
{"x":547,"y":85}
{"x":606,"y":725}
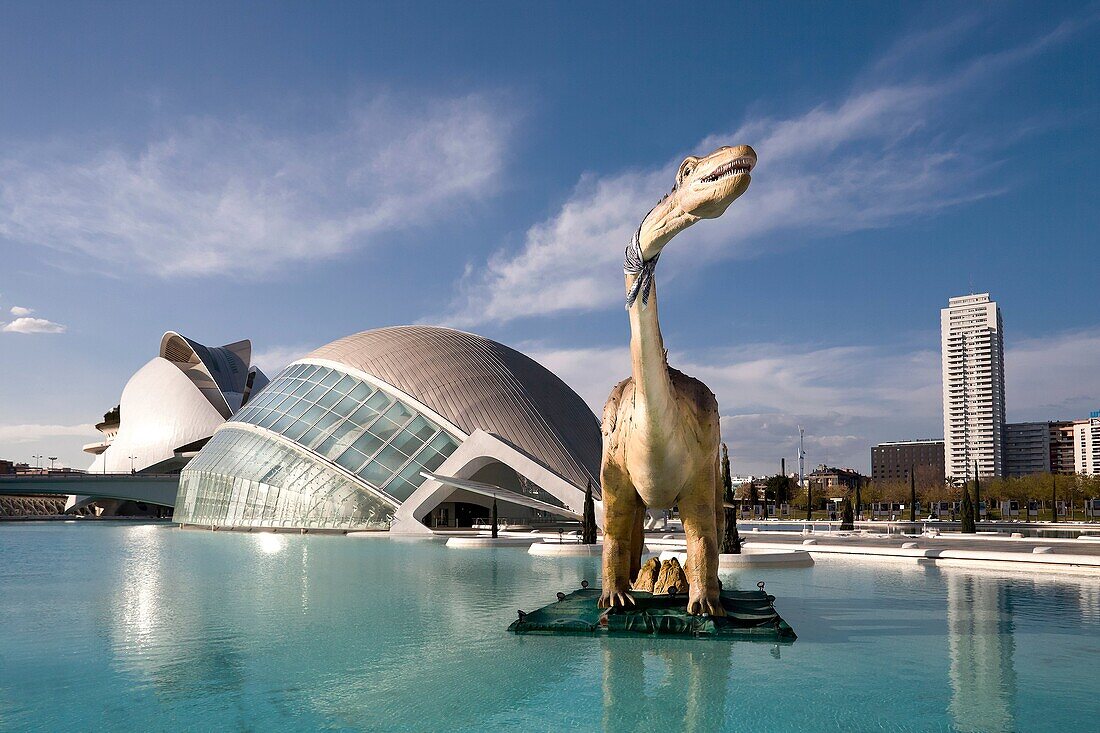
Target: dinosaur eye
{"x":686,"y":169}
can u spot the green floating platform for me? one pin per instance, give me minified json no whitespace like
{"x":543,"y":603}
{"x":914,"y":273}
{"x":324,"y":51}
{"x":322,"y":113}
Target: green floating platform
{"x":749,"y":615}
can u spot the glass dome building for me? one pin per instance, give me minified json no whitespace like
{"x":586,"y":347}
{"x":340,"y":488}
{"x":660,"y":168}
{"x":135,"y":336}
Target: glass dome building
{"x":398,"y":428}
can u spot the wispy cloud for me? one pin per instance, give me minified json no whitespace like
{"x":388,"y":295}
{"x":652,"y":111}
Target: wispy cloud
{"x":237,"y":198}
{"x":886,"y":152}
{"x":18,"y":310}
{"x":33,"y":325}
{"x":847,"y":397}
{"x":30,"y":433}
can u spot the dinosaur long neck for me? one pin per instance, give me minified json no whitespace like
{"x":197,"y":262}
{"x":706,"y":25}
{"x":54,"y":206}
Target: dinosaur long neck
{"x":647,"y":353}
{"x":649,"y":366}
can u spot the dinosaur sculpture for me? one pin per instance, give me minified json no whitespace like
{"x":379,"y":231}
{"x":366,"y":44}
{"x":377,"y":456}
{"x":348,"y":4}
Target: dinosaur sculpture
{"x":660,"y":426}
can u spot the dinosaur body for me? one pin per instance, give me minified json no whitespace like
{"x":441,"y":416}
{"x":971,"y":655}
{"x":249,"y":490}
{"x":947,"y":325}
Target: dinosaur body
{"x":660,"y":426}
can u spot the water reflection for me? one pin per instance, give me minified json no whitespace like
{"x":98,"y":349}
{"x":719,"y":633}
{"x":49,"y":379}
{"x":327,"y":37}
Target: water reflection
{"x":685,"y":681}
{"x":981,"y":644}
{"x":166,"y":633}
{"x":268,"y":631}
{"x":136,"y":606}
{"x":1088,"y":598}
{"x":271,"y":544}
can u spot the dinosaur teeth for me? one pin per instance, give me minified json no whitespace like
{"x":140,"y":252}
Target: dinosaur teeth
{"x":732,"y":168}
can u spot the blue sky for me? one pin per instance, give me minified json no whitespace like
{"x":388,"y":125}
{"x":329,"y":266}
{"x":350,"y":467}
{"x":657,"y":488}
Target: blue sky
{"x":293,"y":173}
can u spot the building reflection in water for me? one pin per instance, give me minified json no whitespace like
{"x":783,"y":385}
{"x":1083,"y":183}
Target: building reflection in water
{"x":692,"y":676}
{"x":979,"y":633}
{"x":162,"y":630}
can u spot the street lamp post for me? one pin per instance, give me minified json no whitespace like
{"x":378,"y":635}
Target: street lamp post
{"x":52,"y":459}
{"x":132,"y":458}
{"x":38,"y":460}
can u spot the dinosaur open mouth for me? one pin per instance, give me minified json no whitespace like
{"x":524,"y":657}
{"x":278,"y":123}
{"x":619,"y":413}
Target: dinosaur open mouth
{"x":733,"y":168}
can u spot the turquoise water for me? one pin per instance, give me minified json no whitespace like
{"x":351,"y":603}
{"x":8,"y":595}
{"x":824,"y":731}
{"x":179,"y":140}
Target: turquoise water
{"x":110,"y":626}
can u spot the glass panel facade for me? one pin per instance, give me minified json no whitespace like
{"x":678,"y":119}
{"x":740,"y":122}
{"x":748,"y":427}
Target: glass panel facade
{"x":241,"y":478}
{"x":251,"y":480}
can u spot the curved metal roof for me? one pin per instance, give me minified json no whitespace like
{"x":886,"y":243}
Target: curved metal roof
{"x":220,"y":372}
{"x":478,"y":383}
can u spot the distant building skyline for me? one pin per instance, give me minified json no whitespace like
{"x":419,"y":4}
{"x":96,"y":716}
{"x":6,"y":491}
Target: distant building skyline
{"x":1086,"y":445}
{"x":1061,"y":446}
{"x":831,"y":480}
{"x":1027,"y":448}
{"x":892,"y":461}
{"x":972,"y":359}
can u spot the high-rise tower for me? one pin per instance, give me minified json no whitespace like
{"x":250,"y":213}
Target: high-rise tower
{"x":972,"y":351}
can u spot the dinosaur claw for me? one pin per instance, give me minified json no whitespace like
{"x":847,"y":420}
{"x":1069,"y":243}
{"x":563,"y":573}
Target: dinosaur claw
{"x":615,"y":599}
{"x":704,"y":606}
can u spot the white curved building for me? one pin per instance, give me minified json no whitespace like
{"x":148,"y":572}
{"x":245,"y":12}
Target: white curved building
{"x":173,"y":404}
{"x":398,"y":428}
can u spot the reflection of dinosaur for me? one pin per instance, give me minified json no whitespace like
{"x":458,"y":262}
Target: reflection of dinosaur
{"x":687,"y":684}
{"x":660,"y":427}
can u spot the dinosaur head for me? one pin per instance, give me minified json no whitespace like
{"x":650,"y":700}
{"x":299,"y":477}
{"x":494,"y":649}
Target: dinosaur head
{"x":705,"y":187}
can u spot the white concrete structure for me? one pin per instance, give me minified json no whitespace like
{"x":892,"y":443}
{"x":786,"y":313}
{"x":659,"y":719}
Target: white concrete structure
{"x":751,"y":558}
{"x":483,"y":541}
{"x":408,"y":429}
{"x":553,"y":548}
{"x":173,"y":404}
{"x":972,"y":352}
{"x":1086,"y":446}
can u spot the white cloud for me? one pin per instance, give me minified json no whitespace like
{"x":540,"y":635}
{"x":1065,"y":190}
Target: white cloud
{"x":30,"y":433}
{"x":236,"y":198}
{"x":1057,"y":377}
{"x":882,"y":154}
{"x":272,"y":360}
{"x":18,"y":310}
{"x":846,"y":397}
{"x":33,"y":325}
{"x":591,"y":372}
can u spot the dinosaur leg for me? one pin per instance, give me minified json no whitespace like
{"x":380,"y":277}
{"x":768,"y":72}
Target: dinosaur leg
{"x":698,"y":513}
{"x":719,"y":504}
{"x":620,"y":506}
{"x":637,"y":540}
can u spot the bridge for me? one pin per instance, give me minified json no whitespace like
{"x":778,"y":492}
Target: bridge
{"x":149,"y":488}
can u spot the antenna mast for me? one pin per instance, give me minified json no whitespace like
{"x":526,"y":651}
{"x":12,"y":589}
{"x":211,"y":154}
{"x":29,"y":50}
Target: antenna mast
{"x":801,"y":456}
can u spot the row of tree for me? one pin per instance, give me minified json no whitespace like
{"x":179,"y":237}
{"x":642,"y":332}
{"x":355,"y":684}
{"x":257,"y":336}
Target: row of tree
{"x":1043,"y":487}
{"x":1037,"y":487}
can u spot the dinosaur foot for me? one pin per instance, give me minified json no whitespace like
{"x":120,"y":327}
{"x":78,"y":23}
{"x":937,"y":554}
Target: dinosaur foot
{"x":704,"y":604}
{"x":615,"y":599}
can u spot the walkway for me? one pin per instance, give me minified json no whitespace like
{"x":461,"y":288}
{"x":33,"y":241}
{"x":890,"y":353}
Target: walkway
{"x":1035,"y":554}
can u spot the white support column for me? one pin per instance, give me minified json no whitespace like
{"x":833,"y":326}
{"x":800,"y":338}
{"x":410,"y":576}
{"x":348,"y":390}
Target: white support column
{"x":477,"y":451}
